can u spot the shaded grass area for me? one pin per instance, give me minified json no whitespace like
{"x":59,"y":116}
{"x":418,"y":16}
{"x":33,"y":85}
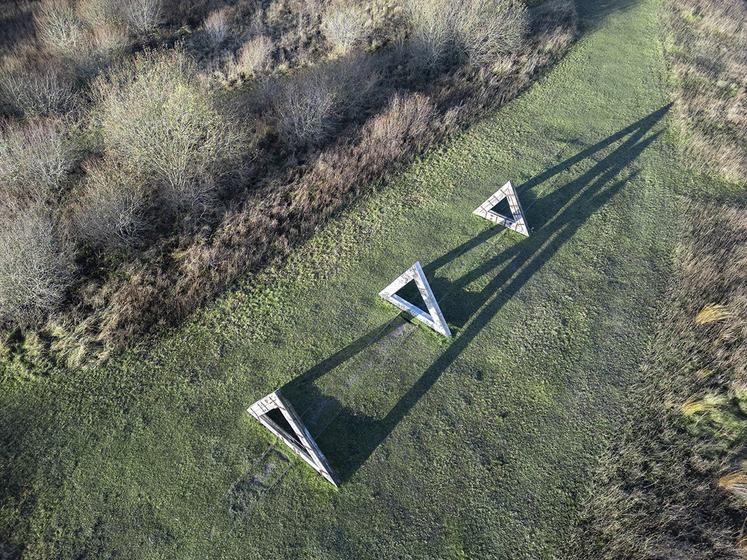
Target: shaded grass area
{"x":475,"y":447}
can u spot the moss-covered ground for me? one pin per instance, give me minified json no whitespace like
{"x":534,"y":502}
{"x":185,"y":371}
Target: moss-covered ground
{"x":475,"y":447}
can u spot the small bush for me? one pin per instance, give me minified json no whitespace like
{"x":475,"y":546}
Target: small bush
{"x":109,"y":40}
{"x":432,"y":31}
{"x":34,"y":161}
{"x":307,"y":110}
{"x":87,"y":35}
{"x":487,"y":29}
{"x":309,"y":107}
{"x":101,"y":13}
{"x":36,"y":89}
{"x":255,"y":55}
{"x":478,"y":30}
{"x":155,"y":120}
{"x":61,"y":30}
{"x":344,"y":25}
{"x":408,"y":118}
{"x":143,"y":16}
{"x":35,"y":266}
{"x":110,"y":209}
{"x":216,"y":26}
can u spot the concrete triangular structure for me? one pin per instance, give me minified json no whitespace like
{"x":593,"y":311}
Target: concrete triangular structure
{"x":277,"y":415}
{"x":433,"y":318}
{"x":517,"y":223}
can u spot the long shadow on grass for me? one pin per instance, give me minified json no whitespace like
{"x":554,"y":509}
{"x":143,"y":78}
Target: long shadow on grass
{"x":592,"y":13}
{"x":350,"y":438}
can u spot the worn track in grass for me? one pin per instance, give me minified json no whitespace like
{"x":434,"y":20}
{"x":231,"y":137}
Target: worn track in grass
{"x":475,"y":447}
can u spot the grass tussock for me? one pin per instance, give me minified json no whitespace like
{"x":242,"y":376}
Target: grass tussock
{"x":707,"y":50}
{"x":178,"y":145}
{"x":674,"y":485}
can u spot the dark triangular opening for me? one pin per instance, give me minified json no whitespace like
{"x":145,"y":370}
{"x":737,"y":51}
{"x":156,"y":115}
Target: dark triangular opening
{"x":503,"y":209}
{"x":280,"y":422}
{"x":410,"y":293}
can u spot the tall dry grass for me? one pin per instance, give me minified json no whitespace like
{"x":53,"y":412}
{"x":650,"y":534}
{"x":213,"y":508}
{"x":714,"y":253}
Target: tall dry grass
{"x":707,"y":50}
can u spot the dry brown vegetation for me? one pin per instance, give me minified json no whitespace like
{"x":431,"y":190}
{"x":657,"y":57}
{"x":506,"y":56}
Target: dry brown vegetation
{"x":707,"y":49}
{"x":674,"y":485}
{"x":174,"y":146}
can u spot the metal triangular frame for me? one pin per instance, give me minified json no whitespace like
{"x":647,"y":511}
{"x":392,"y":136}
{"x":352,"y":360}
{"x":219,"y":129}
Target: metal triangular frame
{"x":300,"y":441}
{"x":433,"y":318}
{"x":517,"y":223}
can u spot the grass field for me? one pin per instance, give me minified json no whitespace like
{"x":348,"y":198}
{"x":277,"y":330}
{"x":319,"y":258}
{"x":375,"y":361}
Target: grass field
{"x":476,"y":447}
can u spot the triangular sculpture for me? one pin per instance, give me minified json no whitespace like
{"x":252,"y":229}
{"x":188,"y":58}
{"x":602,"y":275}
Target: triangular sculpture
{"x":277,"y":415}
{"x":433,"y":318}
{"x":517,"y":222}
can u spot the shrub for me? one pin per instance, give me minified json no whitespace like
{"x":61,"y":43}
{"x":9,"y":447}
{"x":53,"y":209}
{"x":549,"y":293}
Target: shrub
{"x":61,"y":30}
{"x":88,"y":36}
{"x":431,"y":32}
{"x":40,"y":89}
{"x":109,"y":40}
{"x":344,"y":24}
{"x":408,"y":118}
{"x":486,"y":29}
{"x":307,"y":110}
{"x":101,"y":13}
{"x":478,"y":30}
{"x":143,"y":16}
{"x":310,"y":106}
{"x":255,"y":55}
{"x":108,"y":25}
{"x":34,"y":161}
{"x":110,"y":209}
{"x":155,"y":120}
{"x":216,"y":26}
{"x":35,"y":265}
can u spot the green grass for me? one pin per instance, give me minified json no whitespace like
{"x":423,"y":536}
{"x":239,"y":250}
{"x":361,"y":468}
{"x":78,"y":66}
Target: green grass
{"x":477,"y":447}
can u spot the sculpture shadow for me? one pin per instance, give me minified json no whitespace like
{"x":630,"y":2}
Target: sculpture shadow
{"x":349,"y":439}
